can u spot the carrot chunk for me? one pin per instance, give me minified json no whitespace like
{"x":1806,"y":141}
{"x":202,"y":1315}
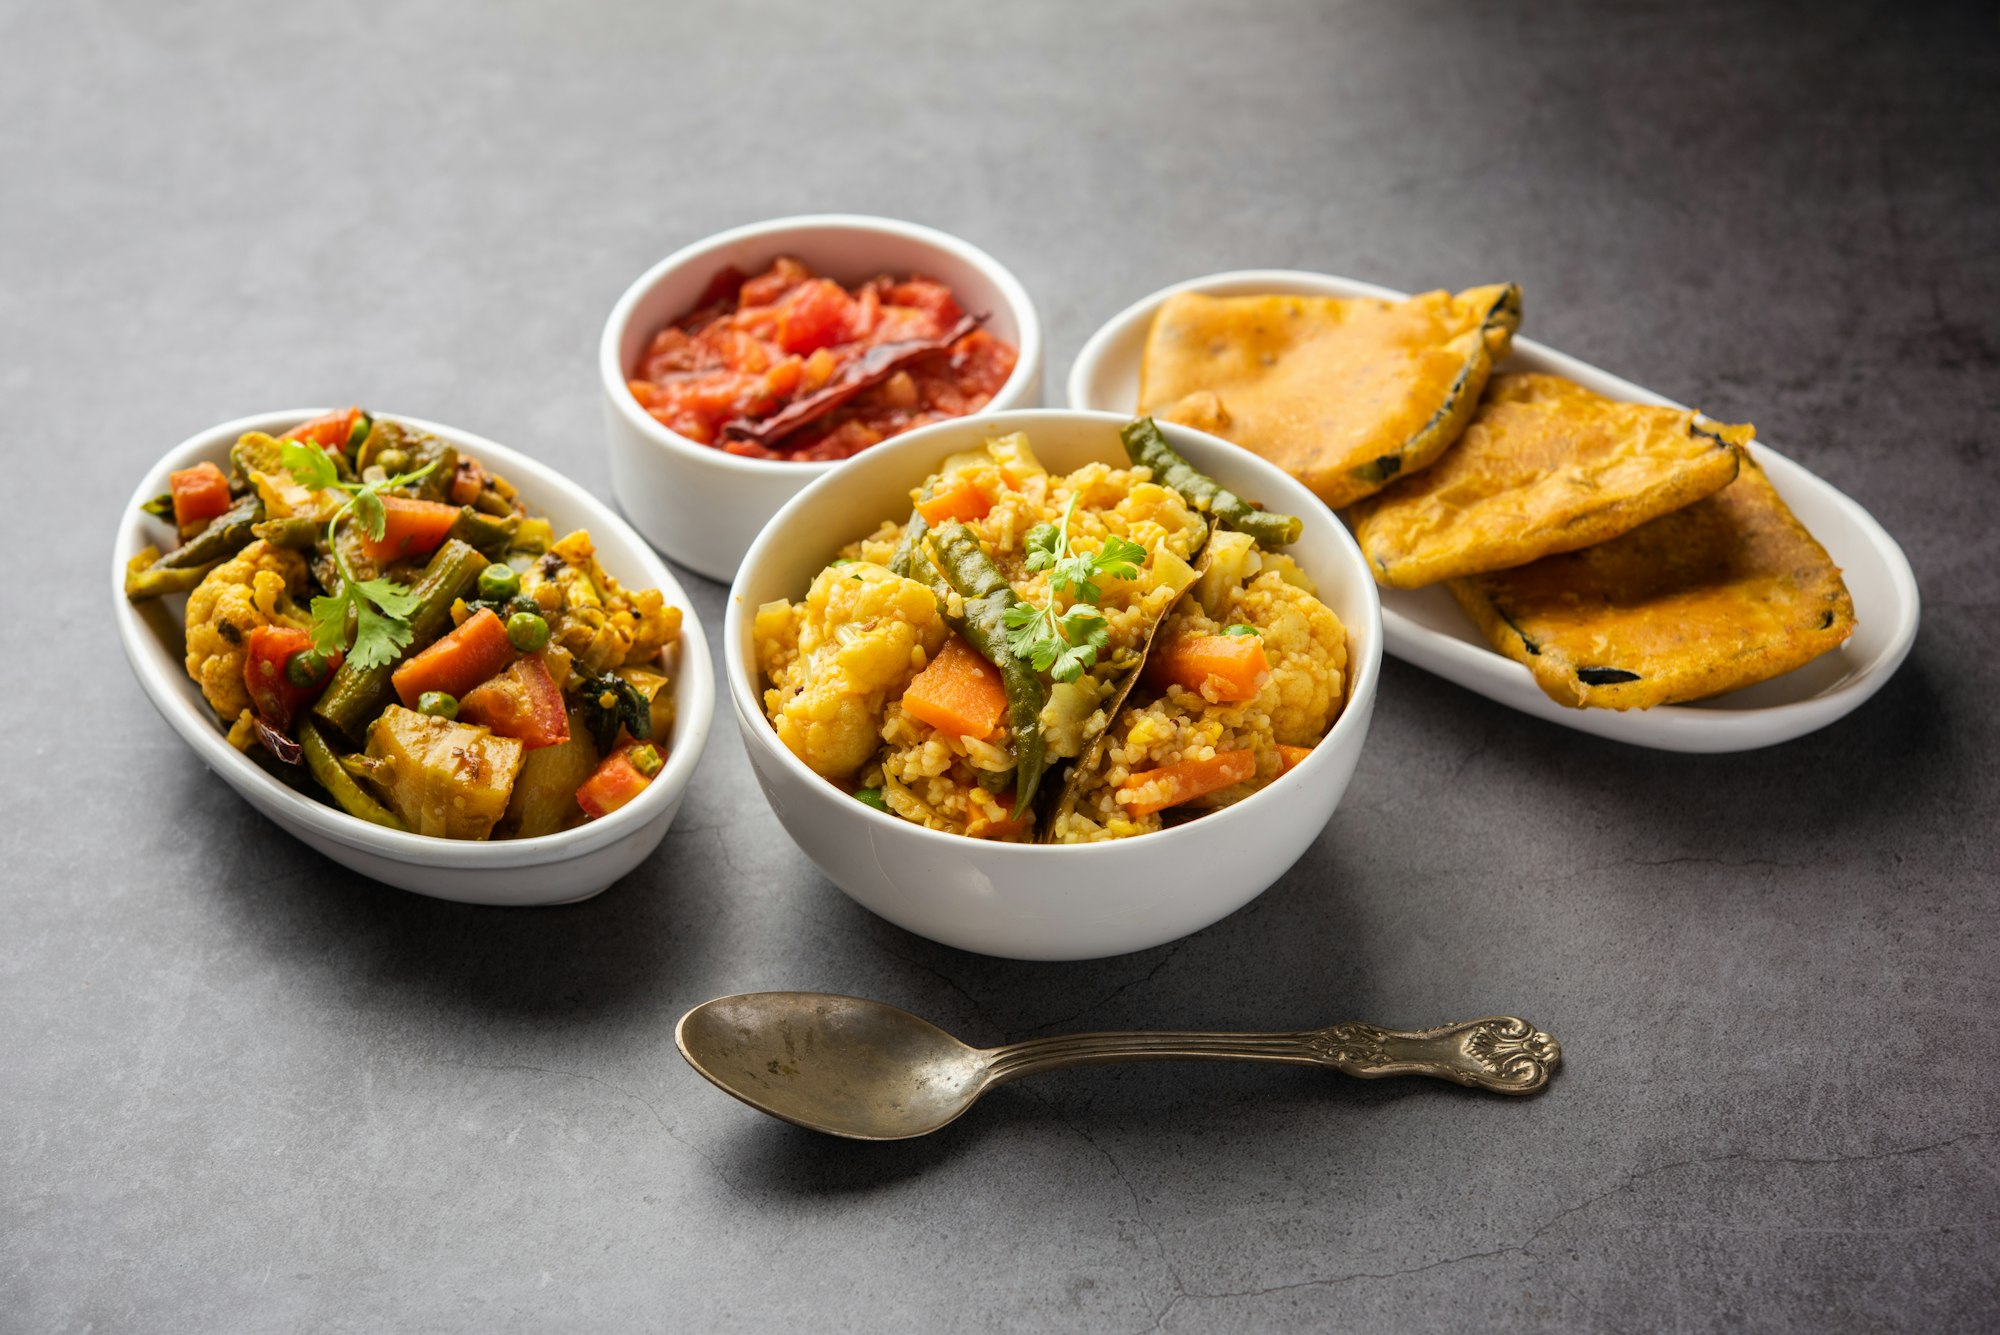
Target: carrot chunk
{"x":409,"y":528}
{"x":1170,"y":785}
{"x":458,"y":661}
{"x":201,"y":492}
{"x":1219,"y":668}
{"x":961,"y":499}
{"x":1289,"y":756}
{"x":959,"y":693}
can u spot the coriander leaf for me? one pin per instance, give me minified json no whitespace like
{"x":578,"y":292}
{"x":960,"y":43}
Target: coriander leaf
{"x":368,"y":512}
{"x":1043,"y":542}
{"x":377,"y":639}
{"x":329,"y":621}
{"x":1120,"y":558}
{"x":309,"y":465}
{"x":391,"y":597}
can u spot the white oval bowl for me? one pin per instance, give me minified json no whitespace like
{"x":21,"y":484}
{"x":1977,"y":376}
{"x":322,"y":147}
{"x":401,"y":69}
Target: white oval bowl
{"x":1427,"y":628}
{"x":553,"y":869}
{"x":1029,"y":901}
{"x":701,"y":505}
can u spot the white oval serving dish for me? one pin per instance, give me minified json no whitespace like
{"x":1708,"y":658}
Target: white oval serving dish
{"x":1425,"y":627}
{"x":701,"y":505}
{"x":552,"y":869}
{"x":1030,"y":901}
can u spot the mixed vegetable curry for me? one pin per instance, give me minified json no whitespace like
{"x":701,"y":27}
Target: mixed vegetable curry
{"x":373,"y":610}
{"x":1058,"y":658}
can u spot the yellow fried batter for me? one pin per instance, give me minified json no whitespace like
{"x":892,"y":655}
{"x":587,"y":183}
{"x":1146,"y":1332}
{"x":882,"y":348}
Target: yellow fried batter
{"x":1546,"y":466}
{"x":1343,"y":393}
{"x":1728,"y":591}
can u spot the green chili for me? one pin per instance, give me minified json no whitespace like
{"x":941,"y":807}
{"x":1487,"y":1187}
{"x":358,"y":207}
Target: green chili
{"x":987,"y":596}
{"x":1146,"y":445}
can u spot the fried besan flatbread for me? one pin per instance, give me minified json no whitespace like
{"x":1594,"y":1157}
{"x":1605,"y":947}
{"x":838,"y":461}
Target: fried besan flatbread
{"x":1728,"y":591}
{"x":1343,"y":393}
{"x":1546,"y":466}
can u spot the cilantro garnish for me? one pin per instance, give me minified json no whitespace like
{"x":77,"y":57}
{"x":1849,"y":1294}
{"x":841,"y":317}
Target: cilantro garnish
{"x":1065,"y":645}
{"x":380,"y":608}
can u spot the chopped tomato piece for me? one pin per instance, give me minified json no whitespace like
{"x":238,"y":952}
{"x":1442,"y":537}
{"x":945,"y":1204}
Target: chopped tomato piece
{"x":523,"y":702}
{"x":1219,"y":668}
{"x":614,"y":782}
{"x":458,"y":661}
{"x":410,"y":528}
{"x":329,"y":432}
{"x":961,"y":499}
{"x":814,"y":315}
{"x":959,"y":693}
{"x":201,"y":492}
{"x":267,"y":657}
{"x":1170,"y":785}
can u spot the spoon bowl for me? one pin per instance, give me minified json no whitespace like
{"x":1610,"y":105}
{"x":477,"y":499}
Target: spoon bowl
{"x":870,"y":1071}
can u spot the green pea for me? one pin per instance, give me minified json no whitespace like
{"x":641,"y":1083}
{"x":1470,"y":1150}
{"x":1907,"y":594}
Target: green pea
{"x":645,"y":758}
{"x":871,"y":797}
{"x":393,"y":460}
{"x":306,"y":669}
{"x":438,"y":704}
{"x":1240,"y":629}
{"x":498,"y":583}
{"x":527,"y":632}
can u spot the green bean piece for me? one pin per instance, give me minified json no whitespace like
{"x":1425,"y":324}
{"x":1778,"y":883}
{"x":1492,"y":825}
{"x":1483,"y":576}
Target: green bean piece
{"x":438,"y":704}
{"x":294,"y":533}
{"x":356,"y":695}
{"x":871,"y":797}
{"x":987,"y":596}
{"x":911,"y":562}
{"x":325,"y":767}
{"x":491,"y":536}
{"x":160,"y":507}
{"x":527,"y":631}
{"x":1146,"y":445}
{"x":227,"y":534}
{"x":498,"y":583}
{"x":153,"y":582}
{"x":645,"y":757}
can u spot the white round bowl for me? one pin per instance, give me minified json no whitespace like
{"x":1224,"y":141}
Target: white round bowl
{"x":1028,"y":901}
{"x":1425,"y":627}
{"x":702,"y":505}
{"x":552,"y":869}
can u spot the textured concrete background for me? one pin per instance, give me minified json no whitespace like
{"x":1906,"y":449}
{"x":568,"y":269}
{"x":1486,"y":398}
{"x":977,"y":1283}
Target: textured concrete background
{"x":241,"y":1090}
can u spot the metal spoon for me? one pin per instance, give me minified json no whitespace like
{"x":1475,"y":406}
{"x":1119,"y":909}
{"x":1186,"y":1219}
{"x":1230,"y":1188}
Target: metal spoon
{"x":869,"y":1071}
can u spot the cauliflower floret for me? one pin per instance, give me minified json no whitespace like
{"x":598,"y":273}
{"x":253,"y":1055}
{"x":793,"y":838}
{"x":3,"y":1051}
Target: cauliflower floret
{"x":861,"y":634}
{"x":254,"y":588}
{"x":601,"y":623}
{"x":1307,"y":649}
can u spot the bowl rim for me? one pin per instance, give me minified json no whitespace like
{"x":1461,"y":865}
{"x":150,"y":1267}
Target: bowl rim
{"x":694,"y":680}
{"x":1356,"y":707}
{"x":613,"y":375}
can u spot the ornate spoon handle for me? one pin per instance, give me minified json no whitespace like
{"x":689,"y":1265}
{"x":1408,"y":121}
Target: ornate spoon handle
{"x":1500,"y":1053}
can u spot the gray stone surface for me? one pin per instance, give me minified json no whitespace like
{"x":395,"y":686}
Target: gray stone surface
{"x":242,"y":1090}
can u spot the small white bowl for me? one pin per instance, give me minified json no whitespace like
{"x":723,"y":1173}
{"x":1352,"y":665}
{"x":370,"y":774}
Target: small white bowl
{"x":1028,"y":901}
{"x":552,"y":869}
{"x":1425,"y":627}
{"x":702,"y":505}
